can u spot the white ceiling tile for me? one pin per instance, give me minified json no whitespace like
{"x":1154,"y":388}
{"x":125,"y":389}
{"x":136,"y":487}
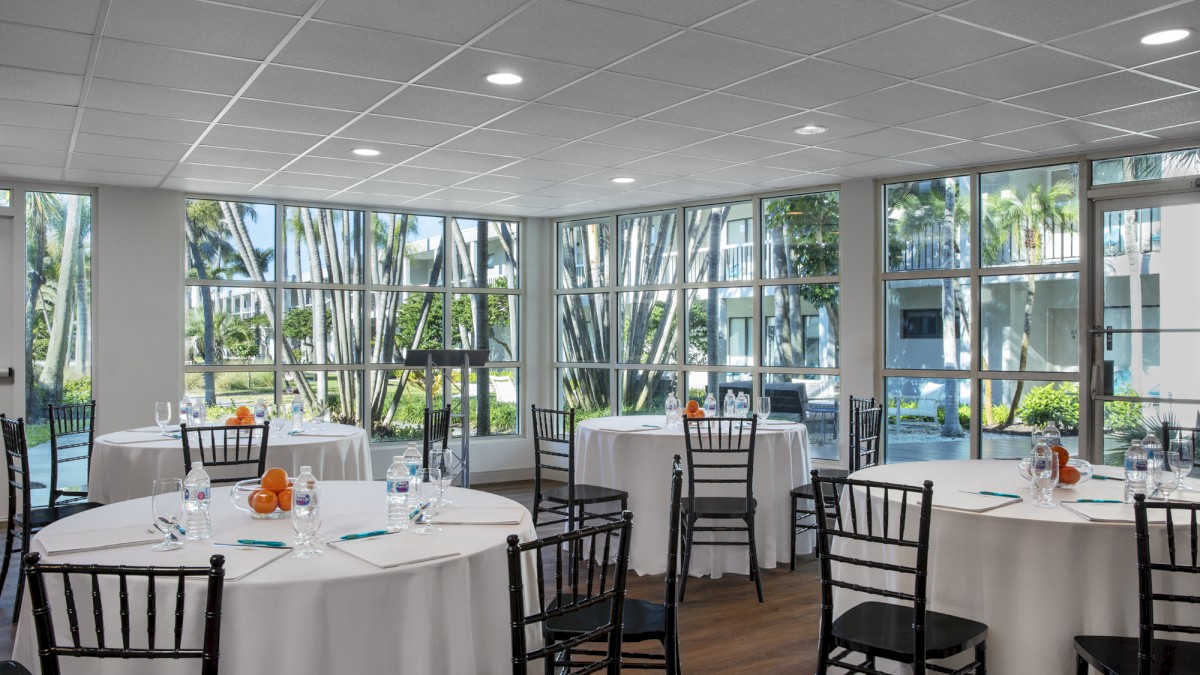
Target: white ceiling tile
{"x":466,"y":72}
{"x":423,"y":176}
{"x":507,"y":143}
{"x":803,"y":181}
{"x":554,"y":121}
{"x":1030,"y":18}
{"x":1103,"y":93}
{"x":440,"y":105}
{"x":299,"y":194}
{"x":326,"y":90}
{"x":1167,"y":113}
{"x":471,"y":195}
{"x":206,"y":186}
{"x":227,"y":136}
{"x":44,"y":49}
{"x":452,"y":20}
{"x":642,"y":179}
{"x":1120,"y":43}
{"x":512,"y":210}
{"x":887,"y":142}
{"x":40,"y":115}
{"x":984,"y":120}
{"x":456,"y":160}
{"x":512,"y":184}
{"x":904,"y":103}
{"x":368,"y":199}
{"x":579,"y":191}
{"x":736,"y":148}
{"x":443,"y":205}
{"x":936,"y":4}
{"x":596,"y":154}
{"x":540,"y":200}
{"x":30,"y":172}
{"x":41,"y":139}
{"x":1049,"y":136}
{"x":111,"y":178}
{"x":221,"y":173}
{"x":810,"y":26}
{"x":544,"y":170}
{"x":747,"y":173}
{"x":311,"y":181}
{"x":567,"y":32}
{"x":164,"y":67}
{"x":878,"y":168}
{"x":700,"y":188}
{"x":813,"y":83}
{"x":1020,"y":72}
{"x":39,"y":86}
{"x":246,"y":159}
{"x":966,"y":153}
{"x":347,"y":168}
{"x":145,"y":99}
{"x":149,"y":127}
{"x":285,"y":117}
{"x":924,"y":47}
{"x":652,"y":135}
{"x":678,"y":13}
{"x":394,"y":189}
{"x":405,"y":132}
{"x":676,"y":165}
{"x":814,"y":159}
{"x":1182,"y":131}
{"x":293,"y":7}
{"x":722,"y":112}
{"x":78,"y":16}
{"x":836,"y":127}
{"x":197,"y":26}
{"x":703,"y":60}
{"x":1185,"y":69}
{"x":361,"y":51}
{"x":342,"y":148}
{"x":147,"y":167}
{"x":130,"y":147}
{"x":621,"y":94}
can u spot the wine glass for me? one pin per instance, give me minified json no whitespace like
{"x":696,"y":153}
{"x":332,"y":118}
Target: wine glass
{"x":319,"y":410}
{"x":166,"y":507}
{"x":277,"y":413}
{"x":306,"y":522}
{"x":426,"y":486}
{"x":1043,"y":469}
{"x":445,"y":475}
{"x":162,"y":415}
{"x":1168,"y":478}
{"x":1186,"y":461}
{"x":763,"y":405}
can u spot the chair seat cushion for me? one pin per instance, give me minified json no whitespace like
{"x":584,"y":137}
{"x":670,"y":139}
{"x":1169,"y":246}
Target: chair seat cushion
{"x":1113,"y":655}
{"x":641,"y":620}
{"x":585,"y":494}
{"x":719,"y":507}
{"x":42,"y":517}
{"x":885,"y":630}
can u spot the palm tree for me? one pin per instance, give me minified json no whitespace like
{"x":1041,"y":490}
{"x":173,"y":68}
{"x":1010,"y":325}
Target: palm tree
{"x":41,"y":210}
{"x":206,"y":247}
{"x":51,"y":378}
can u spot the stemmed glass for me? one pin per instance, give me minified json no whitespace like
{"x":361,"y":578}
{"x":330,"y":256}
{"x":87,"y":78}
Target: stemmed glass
{"x":166,"y":506}
{"x":427,"y":487}
{"x":441,"y":462}
{"x":162,"y":415}
{"x":306,"y":522}
{"x":319,"y":410}
{"x":276,"y":413}
{"x":1186,"y":460}
{"x":1043,"y":470}
{"x":1168,"y":477}
{"x":763,"y":405}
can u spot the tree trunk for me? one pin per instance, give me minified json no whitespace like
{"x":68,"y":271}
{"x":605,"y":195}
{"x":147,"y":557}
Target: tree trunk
{"x":51,"y":378}
{"x":712,"y":329}
{"x":950,"y":426}
{"x":483,"y":399}
{"x":320,"y":346}
{"x":1133,"y":255}
{"x":1030,"y":289}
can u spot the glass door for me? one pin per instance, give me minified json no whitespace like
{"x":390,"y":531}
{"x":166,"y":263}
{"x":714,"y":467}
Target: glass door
{"x":1146,"y":328}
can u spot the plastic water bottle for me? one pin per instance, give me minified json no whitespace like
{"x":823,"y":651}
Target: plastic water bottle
{"x":412,"y":460}
{"x":743,"y":404}
{"x":199,"y":413}
{"x":1051,"y":435}
{"x":672,"y":410}
{"x":297,"y":413}
{"x":710,"y":406}
{"x":730,"y":407}
{"x":397,"y":495}
{"x":1137,"y":471}
{"x":1154,"y":457}
{"x":260,"y":412}
{"x":197,"y":489}
{"x":185,"y":410}
{"x":306,"y":512}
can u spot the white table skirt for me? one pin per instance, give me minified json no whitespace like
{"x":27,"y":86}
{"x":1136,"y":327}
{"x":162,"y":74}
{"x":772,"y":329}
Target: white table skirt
{"x":640,"y":463}
{"x":332,"y":614}
{"x":1037,"y":577}
{"x":121,"y":471}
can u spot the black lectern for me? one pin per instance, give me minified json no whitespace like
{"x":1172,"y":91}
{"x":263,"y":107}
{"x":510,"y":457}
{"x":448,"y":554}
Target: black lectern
{"x":446,"y":359}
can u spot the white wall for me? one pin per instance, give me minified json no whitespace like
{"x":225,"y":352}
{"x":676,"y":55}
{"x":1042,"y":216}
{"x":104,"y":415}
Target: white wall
{"x":860,"y":291}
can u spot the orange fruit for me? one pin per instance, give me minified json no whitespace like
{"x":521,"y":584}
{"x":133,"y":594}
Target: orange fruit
{"x":1068,"y":475}
{"x":698,"y":413}
{"x":248,"y":421}
{"x":232,"y":421}
{"x":285,"y":499}
{"x":275,"y":479}
{"x":692,"y":405}
{"x":1063,"y":455}
{"x":263,"y":501}
{"x":244,"y":412}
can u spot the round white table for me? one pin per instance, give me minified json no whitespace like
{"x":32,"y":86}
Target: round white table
{"x":1036,"y":576}
{"x":331,"y":614}
{"x":621,"y":453}
{"x":124,"y":464}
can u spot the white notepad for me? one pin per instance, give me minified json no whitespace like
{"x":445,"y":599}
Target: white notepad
{"x":334,"y":432}
{"x":477,"y":515}
{"x":1111,"y":513}
{"x":63,"y":543}
{"x":627,"y":428}
{"x":394,"y":550}
{"x":127,"y":437}
{"x":970,"y":501}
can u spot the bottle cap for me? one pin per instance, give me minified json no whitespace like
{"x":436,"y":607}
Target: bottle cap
{"x":197,"y":465}
{"x":306,"y":469}
{"x":397,"y":458}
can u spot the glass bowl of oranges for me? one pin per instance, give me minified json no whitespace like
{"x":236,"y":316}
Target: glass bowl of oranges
{"x":1071,"y":472}
{"x":267,"y":498}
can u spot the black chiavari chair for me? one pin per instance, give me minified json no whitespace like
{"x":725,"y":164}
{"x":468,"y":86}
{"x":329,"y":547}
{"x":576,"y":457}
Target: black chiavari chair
{"x":436,"y":434}
{"x":226,"y":446}
{"x":556,"y":428}
{"x":72,"y":426}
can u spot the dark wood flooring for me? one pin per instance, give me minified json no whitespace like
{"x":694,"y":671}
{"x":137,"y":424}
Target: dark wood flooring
{"x":723,"y":629}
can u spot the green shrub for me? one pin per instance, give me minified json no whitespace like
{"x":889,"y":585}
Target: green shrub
{"x":1058,"y":403}
{"x":1124,"y":418}
{"x":78,"y":391}
{"x":964,"y":413}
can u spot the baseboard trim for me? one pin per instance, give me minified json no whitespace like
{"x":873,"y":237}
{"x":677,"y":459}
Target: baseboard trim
{"x":501,"y":476}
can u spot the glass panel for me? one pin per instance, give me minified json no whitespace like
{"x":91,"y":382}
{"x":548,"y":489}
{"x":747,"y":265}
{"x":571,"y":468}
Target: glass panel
{"x":5,"y":198}
{"x":495,"y":415}
{"x":58,"y":300}
{"x":322,"y":326}
{"x":647,"y":249}
{"x":644,"y":392}
{"x":322,"y":245}
{"x":230,"y":240}
{"x":403,"y":321}
{"x":1153,"y":166}
{"x":721,"y":326}
{"x":1030,"y":216}
{"x":720,"y":242}
{"x":1007,"y":428}
{"x":1030,"y":322}
{"x":224,"y":392}
{"x":485,"y":253}
{"x":1125,"y":421}
{"x":927,"y":223}
{"x":583,"y":328}
{"x":648,"y":320}
{"x":583,"y":254}
{"x":812,"y":399}
{"x":586,"y":390}
{"x":699,"y":384}
{"x":341,"y":390}
{"x":801,"y":234}
{"x":928,"y":323}
{"x":398,"y":403}
{"x":485,"y":321}
{"x":409,"y":250}
{"x":226,"y":325}
{"x":917,"y":424}
{"x":800,"y":324}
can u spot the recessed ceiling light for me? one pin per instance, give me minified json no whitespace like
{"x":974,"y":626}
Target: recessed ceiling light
{"x":622,"y":179}
{"x":1165,"y":37}
{"x":810,"y":129}
{"x":365,"y":152}
{"x":504,"y":78}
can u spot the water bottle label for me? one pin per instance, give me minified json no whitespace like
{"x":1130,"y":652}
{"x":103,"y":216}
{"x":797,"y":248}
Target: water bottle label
{"x":397,"y":487}
{"x":412,"y":470}
{"x":202,"y":495}
{"x":186,"y":494}
{"x":302,"y":499}
{"x":1042,"y":463}
{"x":1141,"y":464}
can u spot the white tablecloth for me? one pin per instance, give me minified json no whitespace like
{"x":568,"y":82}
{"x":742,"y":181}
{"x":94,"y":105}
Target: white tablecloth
{"x":335,"y":613}
{"x":125,"y":470}
{"x":1037,"y":577}
{"x":639,"y":462}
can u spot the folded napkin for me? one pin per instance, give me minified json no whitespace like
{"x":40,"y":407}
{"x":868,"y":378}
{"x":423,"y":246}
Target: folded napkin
{"x":1110,"y":513}
{"x":394,"y":550}
{"x":61,"y":543}
{"x":478,"y":515}
{"x":127,"y":437}
{"x":628,"y":428}
{"x":971,"y":501}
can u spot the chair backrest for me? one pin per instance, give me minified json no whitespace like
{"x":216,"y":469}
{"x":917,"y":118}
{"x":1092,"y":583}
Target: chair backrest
{"x":72,"y":419}
{"x":218,"y":446}
{"x":720,"y":450}
{"x":671,"y":603}
{"x":554,"y":436}
{"x":878,"y":517}
{"x":865,"y":427}
{"x":1181,"y":562}
{"x":1172,"y":432}
{"x":585,"y":574}
{"x":436,"y":433}
{"x":861,"y":403}
{"x":16,"y":460}
{"x":98,"y":578}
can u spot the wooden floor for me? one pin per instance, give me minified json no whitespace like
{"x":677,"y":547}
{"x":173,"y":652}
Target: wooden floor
{"x":723,"y":629}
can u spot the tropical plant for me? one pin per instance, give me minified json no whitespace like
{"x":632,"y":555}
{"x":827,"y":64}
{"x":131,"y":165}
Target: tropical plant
{"x":1058,"y":403}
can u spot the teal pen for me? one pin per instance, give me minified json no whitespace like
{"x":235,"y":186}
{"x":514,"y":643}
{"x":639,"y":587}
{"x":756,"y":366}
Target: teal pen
{"x":651,"y":426}
{"x":998,"y":494}
{"x":362,"y":535}
{"x":1097,"y":476}
{"x":1098,"y":501}
{"x":256,"y":542}
{"x":417,"y":511}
